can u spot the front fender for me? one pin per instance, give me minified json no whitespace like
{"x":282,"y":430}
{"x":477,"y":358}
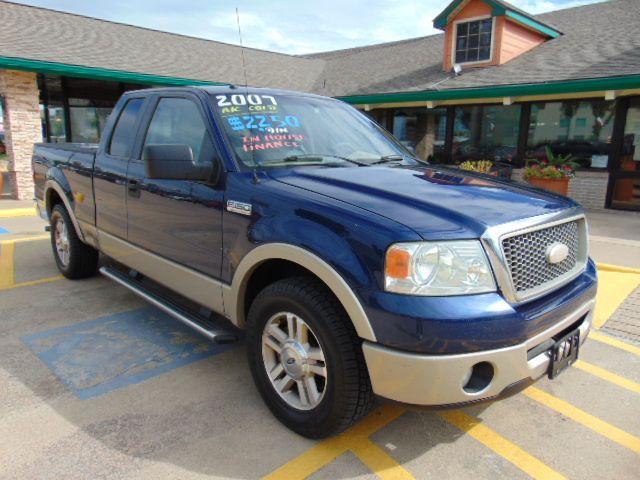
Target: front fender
{"x":234,"y":294}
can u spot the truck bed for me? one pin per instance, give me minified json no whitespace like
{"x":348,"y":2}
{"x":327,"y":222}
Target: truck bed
{"x":71,"y":164}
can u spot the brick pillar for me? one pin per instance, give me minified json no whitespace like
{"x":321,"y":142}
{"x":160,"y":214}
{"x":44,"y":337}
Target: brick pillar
{"x":22,"y":127}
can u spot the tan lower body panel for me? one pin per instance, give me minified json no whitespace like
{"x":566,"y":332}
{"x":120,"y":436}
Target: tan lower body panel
{"x":188,"y":283}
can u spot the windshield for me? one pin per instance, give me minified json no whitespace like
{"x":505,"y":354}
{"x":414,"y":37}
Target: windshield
{"x":290,"y":130}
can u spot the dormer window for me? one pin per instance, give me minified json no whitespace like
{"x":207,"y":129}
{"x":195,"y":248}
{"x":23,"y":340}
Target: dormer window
{"x":474,"y":40}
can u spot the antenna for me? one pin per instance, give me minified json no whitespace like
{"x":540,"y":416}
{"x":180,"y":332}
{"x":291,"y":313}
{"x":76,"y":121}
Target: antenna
{"x":244,"y":67}
{"x":246,"y":91}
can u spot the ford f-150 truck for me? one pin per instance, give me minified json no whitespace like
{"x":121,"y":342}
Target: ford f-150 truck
{"x":355,"y":269}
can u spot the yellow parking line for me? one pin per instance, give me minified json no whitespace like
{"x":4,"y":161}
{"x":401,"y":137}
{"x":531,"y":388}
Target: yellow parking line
{"x":608,"y":376}
{"x":378,"y":461}
{"x":32,"y":238}
{"x":373,"y":422}
{"x":18,"y":212}
{"x":599,"y":426}
{"x":599,"y":337}
{"x":31,"y":283}
{"x":617,"y":268}
{"x":6,"y":265}
{"x":328,"y":450}
{"x":310,"y":461}
{"x":500,"y":445}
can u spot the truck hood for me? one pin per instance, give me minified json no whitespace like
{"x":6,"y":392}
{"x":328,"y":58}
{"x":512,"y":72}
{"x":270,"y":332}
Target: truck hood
{"x":437,"y":203}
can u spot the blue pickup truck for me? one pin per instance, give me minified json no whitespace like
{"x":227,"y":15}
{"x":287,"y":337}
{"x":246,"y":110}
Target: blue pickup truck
{"x":354,"y":269}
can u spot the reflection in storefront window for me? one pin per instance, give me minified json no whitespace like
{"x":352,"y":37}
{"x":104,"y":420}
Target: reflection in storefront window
{"x":486,"y":132}
{"x":580,"y":128}
{"x":422,"y":131}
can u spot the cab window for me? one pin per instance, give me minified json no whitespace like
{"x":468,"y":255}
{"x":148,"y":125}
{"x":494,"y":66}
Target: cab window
{"x":124,"y":131}
{"x":178,"y":121}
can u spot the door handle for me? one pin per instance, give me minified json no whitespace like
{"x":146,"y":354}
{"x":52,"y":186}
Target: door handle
{"x":134,"y":188}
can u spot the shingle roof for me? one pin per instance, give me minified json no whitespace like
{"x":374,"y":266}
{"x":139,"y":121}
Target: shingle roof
{"x":598,"y":40}
{"x":42,"y":34}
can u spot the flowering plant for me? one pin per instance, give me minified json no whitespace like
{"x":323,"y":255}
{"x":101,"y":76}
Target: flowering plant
{"x":554,"y":167}
{"x":480,"y":166}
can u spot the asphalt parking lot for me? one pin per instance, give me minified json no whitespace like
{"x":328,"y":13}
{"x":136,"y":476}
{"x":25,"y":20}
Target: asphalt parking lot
{"x":95,"y":383}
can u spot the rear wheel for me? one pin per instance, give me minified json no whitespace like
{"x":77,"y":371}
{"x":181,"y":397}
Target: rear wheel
{"x":73,"y":258}
{"x":306,"y":358}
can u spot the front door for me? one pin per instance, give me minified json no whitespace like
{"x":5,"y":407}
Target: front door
{"x":179,"y":220}
{"x":625,"y":181}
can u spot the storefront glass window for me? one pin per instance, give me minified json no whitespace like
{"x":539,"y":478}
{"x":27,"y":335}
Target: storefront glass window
{"x":5,"y":188}
{"x":57,"y":129}
{"x":422,"y":131}
{"x":89,"y":104}
{"x":580,"y":128}
{"x":486,"y":132}
{"x":626,"y":187}
{"x":87,"y":122}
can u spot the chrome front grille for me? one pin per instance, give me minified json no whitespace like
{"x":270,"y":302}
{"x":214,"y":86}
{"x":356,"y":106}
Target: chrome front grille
{"x":526,"y":255}
{"x":518,"y":253}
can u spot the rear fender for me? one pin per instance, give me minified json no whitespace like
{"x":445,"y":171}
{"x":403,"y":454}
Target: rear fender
{"x":56,"y":182}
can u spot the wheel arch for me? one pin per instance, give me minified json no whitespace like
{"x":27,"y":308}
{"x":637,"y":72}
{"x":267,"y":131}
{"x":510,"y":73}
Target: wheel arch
{"x":53,"y":194}
{"x":235,"y":296}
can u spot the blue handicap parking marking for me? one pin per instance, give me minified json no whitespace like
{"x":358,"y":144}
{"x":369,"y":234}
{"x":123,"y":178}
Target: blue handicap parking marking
{"x":3,"y":230}
{"x":97,"y":356}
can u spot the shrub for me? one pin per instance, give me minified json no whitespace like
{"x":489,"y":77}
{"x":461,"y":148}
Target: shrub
{"x":480,"y":166}
{"x":554,"y":167}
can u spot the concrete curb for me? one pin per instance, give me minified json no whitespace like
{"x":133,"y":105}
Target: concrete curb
{"x":18,"y":212}
{"x":617,"y":241}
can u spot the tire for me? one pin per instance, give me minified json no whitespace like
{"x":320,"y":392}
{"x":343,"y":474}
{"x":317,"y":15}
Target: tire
{"x":73,"y":258}
{"x":346,"y":394}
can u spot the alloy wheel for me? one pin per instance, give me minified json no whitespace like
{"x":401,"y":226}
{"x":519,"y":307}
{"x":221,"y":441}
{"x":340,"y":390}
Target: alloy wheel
{"x":294,"y":361}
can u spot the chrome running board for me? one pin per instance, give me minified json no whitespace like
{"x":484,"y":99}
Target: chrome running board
{"x":215,"y":334}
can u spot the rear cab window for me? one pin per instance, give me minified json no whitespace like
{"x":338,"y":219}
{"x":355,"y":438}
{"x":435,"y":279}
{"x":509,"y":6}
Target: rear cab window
{"x":124,"y":131}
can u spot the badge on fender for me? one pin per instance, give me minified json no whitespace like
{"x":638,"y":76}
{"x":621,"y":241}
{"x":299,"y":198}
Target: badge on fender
{"x":238,"y":207}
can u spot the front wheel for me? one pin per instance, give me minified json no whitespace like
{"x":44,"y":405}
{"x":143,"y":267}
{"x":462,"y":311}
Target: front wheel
{"x":306,"y":358}
{"x":73,"y":258}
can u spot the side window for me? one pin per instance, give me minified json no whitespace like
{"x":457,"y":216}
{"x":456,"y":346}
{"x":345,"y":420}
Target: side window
{"x":124,"y":131}
{"x":178,"y":121}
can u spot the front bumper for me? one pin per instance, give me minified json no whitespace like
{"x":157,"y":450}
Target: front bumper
{"x":444,"y":379}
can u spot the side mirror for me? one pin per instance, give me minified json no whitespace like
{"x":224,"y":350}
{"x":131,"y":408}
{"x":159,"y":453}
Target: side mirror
{"x":174,"y":162}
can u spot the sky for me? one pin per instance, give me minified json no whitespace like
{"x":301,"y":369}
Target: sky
{"x":288,"y":26}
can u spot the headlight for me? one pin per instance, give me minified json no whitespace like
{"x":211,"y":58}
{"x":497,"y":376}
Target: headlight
{"x":438,"y":268}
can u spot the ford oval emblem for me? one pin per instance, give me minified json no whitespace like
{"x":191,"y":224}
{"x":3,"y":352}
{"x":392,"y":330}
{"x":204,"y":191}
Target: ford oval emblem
{"x":557,"y":252}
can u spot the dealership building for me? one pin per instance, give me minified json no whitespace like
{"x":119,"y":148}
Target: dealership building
{"x":497,"y":84}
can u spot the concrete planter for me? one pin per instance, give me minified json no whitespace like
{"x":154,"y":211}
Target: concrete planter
{"x":556,"y":185}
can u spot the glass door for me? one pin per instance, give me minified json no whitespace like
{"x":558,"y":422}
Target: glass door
{"x":626,"y":174}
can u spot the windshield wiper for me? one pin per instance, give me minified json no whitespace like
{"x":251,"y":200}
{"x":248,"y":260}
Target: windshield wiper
{"x":388,"y":158}
{"x":397,"y":158}
{"x":320,"y":156}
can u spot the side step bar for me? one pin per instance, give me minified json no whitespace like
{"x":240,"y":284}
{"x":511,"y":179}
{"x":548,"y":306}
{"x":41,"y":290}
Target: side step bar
{"x":217,"y":335}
